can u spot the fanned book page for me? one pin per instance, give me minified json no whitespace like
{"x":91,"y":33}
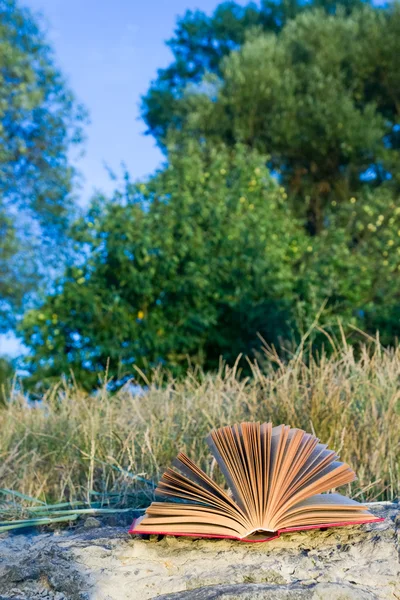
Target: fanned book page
{"x":276,"y":477}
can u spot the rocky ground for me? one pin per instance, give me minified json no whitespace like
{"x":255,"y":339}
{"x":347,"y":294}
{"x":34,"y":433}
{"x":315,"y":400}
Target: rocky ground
{"x":98,"y":561}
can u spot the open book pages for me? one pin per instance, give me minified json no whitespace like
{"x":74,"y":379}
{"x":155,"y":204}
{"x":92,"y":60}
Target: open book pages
{"x":276,"y":478}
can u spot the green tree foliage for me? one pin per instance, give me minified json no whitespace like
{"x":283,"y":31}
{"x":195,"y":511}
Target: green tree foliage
{"x":201,"y":42}
{"x":322,"y":98}
{"x":39,"y":120}
{"x":319,"y":94}
{"x":190,"y":265}
{"x":213,"y":249}
{"x":354,"y":266}
{"x":9,"y":249}
{"x":7,"y":374}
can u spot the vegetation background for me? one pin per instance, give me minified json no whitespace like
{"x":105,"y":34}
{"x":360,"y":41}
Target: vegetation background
{"x":271,"y":232}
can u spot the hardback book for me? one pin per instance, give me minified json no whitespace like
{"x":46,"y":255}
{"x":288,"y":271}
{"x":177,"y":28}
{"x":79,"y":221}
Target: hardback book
{"x":277,"y":479}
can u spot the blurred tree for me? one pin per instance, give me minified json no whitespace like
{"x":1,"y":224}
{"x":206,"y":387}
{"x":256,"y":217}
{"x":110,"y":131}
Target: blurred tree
{"x":190,"y":265}
{"x":213,"y":249}
{"x":201,"y":42}
{"x":321,"y":97}
{"x":7,"y":373}
{"x":354,"y":266}
{"x":39,"y":120}
{"x":316,"y":88}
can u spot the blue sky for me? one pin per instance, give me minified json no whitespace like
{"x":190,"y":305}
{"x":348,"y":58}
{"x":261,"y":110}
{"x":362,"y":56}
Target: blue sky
{"x":109,"y":53}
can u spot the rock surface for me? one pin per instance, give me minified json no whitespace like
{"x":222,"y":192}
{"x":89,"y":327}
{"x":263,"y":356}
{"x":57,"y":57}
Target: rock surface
{"x":104,"y":563}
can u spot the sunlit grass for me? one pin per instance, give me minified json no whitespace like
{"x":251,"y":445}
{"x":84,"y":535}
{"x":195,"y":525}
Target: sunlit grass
{"x":105,"y":450}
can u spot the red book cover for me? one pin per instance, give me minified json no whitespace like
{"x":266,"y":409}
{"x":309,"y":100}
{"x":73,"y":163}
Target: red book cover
{"x":135,"y":530}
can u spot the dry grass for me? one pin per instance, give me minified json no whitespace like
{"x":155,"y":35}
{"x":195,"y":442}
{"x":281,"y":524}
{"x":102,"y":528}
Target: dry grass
{"x":73,"y":446}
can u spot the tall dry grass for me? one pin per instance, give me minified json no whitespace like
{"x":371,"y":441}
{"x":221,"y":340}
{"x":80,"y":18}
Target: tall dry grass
{"x":72,"y":444}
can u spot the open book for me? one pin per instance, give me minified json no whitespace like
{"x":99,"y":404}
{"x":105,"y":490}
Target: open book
{"x":276,"y":478}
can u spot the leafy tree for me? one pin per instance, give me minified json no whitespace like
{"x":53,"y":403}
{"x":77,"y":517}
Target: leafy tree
{"x":354,"y":266}
{"x":8,"y":251}
{"x":201,"y":42}
{"x":322,"y":99}
{"x":317,"y":91}
{"x":190,"y":265}
{"x":212,"y":249}
{"x":39,"y":120}
{"x":7,"y":374}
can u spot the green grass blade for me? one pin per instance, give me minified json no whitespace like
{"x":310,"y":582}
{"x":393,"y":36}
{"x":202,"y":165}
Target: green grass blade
{"x":92,"y":511}
{"x":10,"y":525}
{"x":67,"y":505}
{"x":7,"y":492}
